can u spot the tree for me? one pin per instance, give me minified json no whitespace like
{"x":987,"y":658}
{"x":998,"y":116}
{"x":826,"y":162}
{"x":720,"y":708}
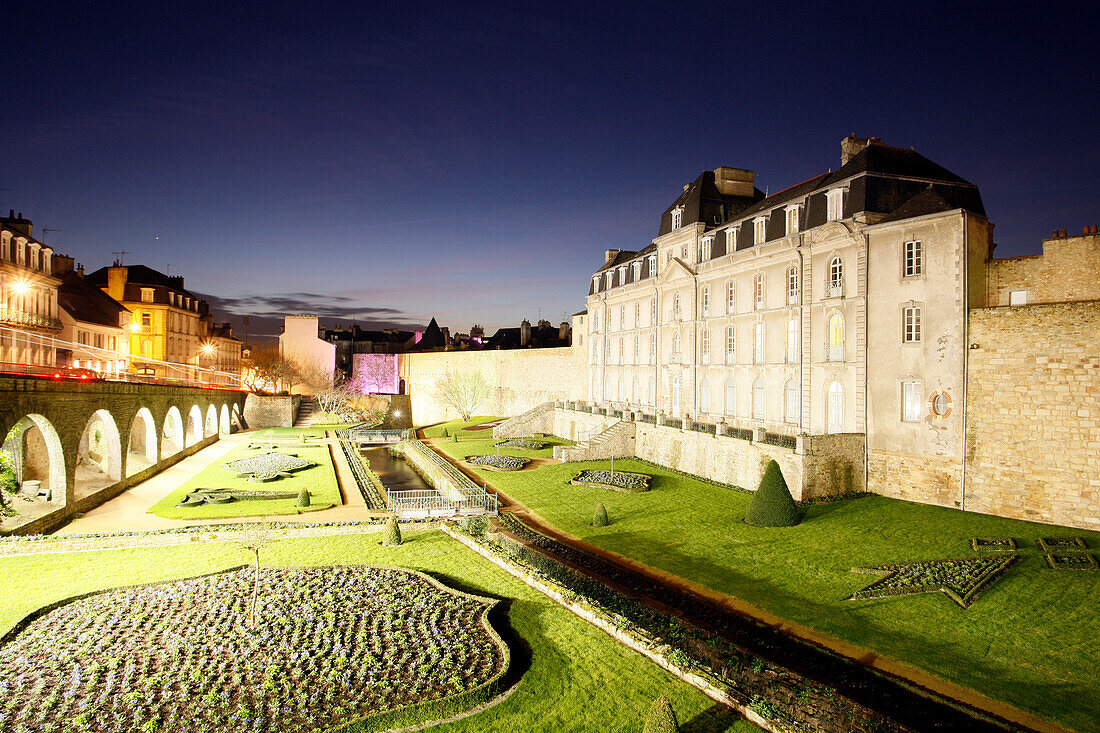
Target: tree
{"x":662,"y":718}
{"x":464,"y":391}
{"x":268,"y":370}
{"x":254,"y":539}
{"x":772,"y":505}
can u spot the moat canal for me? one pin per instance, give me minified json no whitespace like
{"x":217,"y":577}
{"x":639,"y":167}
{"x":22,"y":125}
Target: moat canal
{"x":395,"y":473}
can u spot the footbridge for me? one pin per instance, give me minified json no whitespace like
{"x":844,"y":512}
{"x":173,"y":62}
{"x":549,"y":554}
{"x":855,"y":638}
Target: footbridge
{"x":74,"y":445}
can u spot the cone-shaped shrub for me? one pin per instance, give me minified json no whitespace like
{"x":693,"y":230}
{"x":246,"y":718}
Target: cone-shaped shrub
{"x":599,"y":519}
{"x":391,"y":533}
{"x":662,"y":718}
{"x":303,"y":497}
{"x":772,"y":505}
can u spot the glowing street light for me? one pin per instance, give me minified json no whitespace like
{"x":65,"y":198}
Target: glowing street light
{"x":20,"y":287}
{"x":207,"y":349}
{"x":135,"y":327}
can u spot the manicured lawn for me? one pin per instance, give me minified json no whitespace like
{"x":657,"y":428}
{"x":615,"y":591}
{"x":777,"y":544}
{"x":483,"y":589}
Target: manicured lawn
{"x":319,"y":479}
{"x":579,"y":678}
{"x":459,"y":427}
{"x":315,"y":431}
{"x":1030,"y":640}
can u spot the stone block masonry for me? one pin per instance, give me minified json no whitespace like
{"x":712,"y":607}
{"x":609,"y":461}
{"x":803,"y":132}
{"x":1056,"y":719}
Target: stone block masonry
{"x":1033,"y":418}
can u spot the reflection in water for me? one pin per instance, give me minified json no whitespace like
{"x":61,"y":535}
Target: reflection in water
{"x":395,"y":473}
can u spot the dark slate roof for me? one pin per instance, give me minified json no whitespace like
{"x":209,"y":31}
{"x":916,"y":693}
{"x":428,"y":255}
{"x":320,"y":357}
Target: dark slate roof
{"x":85,"y":302}
{"x":703,"y":202}
{"x":542,"y":337}
{"x":932,"y":200}
{"x":432,"y":338}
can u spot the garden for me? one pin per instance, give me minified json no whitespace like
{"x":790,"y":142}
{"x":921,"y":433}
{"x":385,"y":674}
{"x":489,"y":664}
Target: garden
{"x":1010,"y":644}
{"x":565,"y":675}
{"x":265,"y":477}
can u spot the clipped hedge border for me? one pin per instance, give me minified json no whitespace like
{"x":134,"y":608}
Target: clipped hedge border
{"x":992,"y":544}
{"x":1071,"y":561}
{"x":1062,"y":544}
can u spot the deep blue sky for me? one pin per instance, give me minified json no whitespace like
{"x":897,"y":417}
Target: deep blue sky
{"x":473,"y":161}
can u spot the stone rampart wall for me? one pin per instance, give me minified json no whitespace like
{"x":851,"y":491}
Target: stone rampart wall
{"x":922,"y":478}
{"x":1068,"y":270}
{"x":519,"y":379}
{"x":1033,"y":418}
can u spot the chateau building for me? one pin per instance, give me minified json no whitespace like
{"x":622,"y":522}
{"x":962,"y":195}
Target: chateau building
{"x":29,"y":315}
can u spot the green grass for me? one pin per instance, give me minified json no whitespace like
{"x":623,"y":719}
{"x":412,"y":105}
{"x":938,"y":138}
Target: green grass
{"x":1030,"y":640}
{"x":436,"y":431}
{"x":579,"y":678}
{"x":315,"y":431}
{"x":320,"y":480}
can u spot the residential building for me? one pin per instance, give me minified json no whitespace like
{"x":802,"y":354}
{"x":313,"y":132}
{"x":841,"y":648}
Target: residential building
{"x":95,"y":327}
{"x":29,"y":313}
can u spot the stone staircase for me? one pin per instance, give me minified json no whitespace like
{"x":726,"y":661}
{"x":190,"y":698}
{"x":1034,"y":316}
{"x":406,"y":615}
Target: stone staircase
{"x":539,"y":419}
{"x":616,"y":438}
{"x":305,"y":413}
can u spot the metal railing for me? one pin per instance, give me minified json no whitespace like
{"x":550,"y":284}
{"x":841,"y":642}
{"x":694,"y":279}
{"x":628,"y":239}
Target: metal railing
{"x":372,"y":497}
{"x":16,"y":317}
{"x":378,"y":436}
{"x":422,"y":504}
{"x":783,"y":441}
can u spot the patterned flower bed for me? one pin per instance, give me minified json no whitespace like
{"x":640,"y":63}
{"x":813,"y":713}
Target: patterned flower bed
{"x":1072,"y":561}
{"x":334,"y":645}
{"x":269,"y":466}
{"x":630,"y":483}
{"x":498,"y":463}
{"x":992,"y":544}
{"x":962,"y":580}
{"x":1062,"y":544}
{"x":523,"y":443}
{"x":198,"y":497}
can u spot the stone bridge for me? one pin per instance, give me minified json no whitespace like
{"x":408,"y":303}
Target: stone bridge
{"x":87,"y":442}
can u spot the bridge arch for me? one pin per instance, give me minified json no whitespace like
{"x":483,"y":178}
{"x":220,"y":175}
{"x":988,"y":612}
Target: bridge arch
{"x":34,"y":447}
{"x":98,"y":454}
{"x":142,"y":449}
{"x":171,"y":441}
{"x":224,"y":426}
{"x":211,"y":426}
{"x":235,"y":416}
{"x":194,"y":426}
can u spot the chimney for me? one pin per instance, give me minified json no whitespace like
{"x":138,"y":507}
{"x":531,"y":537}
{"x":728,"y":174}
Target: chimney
{"x":1062,"y":233}
{"x":853,"y":144}
{"x":524,"y":332}
{"x":62,"y":264}
{"x":563,"y":331}
{"x":446,"y":332}
{"x":609,"y":255}
{"x":116,"y":282}
{"x":734,"y":181}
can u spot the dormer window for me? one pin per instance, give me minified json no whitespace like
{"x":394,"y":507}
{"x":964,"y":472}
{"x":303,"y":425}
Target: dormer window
{"x":637,"y":266}
{"x":622,"y":275}
{"x":653,"y":265}
{"x":707,"y":247}
{"x":792,"y":218}
{"x":146,"y":295}
{"x":835,"y":204}
{"x":759,"y":225}
{"x":596,"y":284}
{"x":731,"y":239}
{"x":610,"y":278}
{"x":677,"y":218}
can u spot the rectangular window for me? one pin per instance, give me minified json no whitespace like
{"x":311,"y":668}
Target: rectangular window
{"x":758,"y":292}
{"x":112,"y":343}
{"x":146,"y":295}
{"x":653,"y":348}
{"x":707,"y":248}
{"x":146,"y":321}
{"x":911,"y":401}
{"x":912,"y":325}
{"x":835,"y":204}
{"x":706,"y":302}
{"x":758,"y":344}
{"x":596,"y":284}
{"x":610,"y":276}
{"x":792,"y":341}
{"x":653,"y":265}
{"x":705,"y":345}
{"x":914,"y":258}
{"x":622,"y":316}
{"x":635,"y":350}
{"x":792,"y":219}
{"x":758,"y":230}
{"x":637,"y":267}
{"x":1017,"y":297}
{"x":730,"y":345}
{"x":792,"y":286}
{"x":677,"y":218}
{"x":637,"y":313}
{"x":729,"y":297}
{"x":731,"y":240}
{"x":653,"y":311}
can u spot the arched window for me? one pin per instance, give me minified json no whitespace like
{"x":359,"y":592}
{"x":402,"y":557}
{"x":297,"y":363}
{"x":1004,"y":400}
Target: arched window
{"x":791,"y":401}
{"x":758,"y":399}
{"x":792,"y":286}
{"x":704,"y":395}
{"x":835,"y":347}
{"x":731,"y":397}
{"x":835,"y":285}
{"x":835,"y":408}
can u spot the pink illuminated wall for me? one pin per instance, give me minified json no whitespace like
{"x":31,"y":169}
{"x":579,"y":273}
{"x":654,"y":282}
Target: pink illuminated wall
{"x":374,"y":373}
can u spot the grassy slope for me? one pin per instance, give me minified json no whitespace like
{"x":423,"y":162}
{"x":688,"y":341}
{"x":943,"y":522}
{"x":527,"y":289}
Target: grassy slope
{"x":436,"y":431}
{"x":320,"y":480}
{"x":579,"y":679}
{"x":1030,"y":640}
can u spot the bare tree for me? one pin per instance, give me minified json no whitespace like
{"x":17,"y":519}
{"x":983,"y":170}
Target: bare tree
{"x":268,"y":370}
{"x":464,"y":391}
{"x":254,"y":539}
{"x":373,"y":372}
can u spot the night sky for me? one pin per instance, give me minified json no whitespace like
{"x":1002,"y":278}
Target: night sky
{"x":392,"y":162}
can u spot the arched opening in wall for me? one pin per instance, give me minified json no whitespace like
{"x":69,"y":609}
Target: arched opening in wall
{"x":194,"y":426}
{"x":171,"y":440}
{"x":224,"y":426}
{"x":211,"y":426}
{"x":34,"y":460}
{"x":98,"y":455}
{"x":142,"y":449}
{"x":235,"y":418}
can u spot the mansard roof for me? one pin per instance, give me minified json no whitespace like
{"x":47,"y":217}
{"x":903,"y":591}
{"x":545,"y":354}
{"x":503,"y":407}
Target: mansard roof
{"x":701,"y":201}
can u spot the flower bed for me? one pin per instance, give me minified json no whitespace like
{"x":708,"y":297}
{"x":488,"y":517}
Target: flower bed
{"x":268,"y":467}
{"x":498,"y":463}
{"x":992,"y":544}
{"x":1062,"y":544}
{"x":962,"y":579}
{"x":523,"y":443}
{"x":630,"y":483}
{"x":386,"y":646}
{"x":1071,"y":561}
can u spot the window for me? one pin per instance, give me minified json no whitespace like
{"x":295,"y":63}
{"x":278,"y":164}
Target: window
{"x":792,"y":218}
{"x":99,"y":341}
{"x":677,"y":218}
{"x":707,"y":248}
{"x":834,"y":418}
{"x":635,"y":350}
{"x":758,"y":343}
{"x":758,"y":399}
{"x":676,"y":344}
{"x":596,"y":284}
{"x":653,"y":311}
{"x":620,"y":351}
{"x":731,"y":240}
{"x":610,"y":278}
{"x":914,"y":258}
{"x":834,"y":287}
{"x":758,"y":230}
{"x":792,"y":341}
{"x":622,"y":275}
{"x":790,"y":401}
{"x":704,"y":395}
{"x":146,"y":295}
{"x":676,"y":307}
{"x":911,"y":324}
{"x":792,"y":286}
{"x":758,"y":292}
{"x":146,"y":347}
{"x":112,"y":343}
{"x":637,"y":270}
{"x":730,"y":297}
{"x":684,"y":253}
{"x":704,"y":342}
{"x":595,"y":320}
{"x":731,"y":397}
{"x":835,"y":347}
{"x":622,"y":316}
{"x":911,"y":401}
{"x":1017,"y":297}
{"x":146,"y":321}
{"x":675,"y":402}
{"x":653,"y":265}
{"x":653,"y":391}
{"x":706,"y":302}
{"x":730,"y":345}
{"x":637,"y":313}
{"x":835,"y":204}
{"x":653,"y":348}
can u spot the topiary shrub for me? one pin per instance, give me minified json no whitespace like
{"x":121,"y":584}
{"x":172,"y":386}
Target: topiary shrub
{"x":391,"y":533}
{"x":662,"y":718}
{"x":446,"y":432}
{"x":599,"y":519}
{"x":772,"y":505}
{"x":303,"y":497}
{"x":475,"y":526}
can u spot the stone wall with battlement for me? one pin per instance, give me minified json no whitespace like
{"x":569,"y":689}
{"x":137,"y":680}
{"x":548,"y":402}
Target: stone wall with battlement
{"x":1033,"y":418}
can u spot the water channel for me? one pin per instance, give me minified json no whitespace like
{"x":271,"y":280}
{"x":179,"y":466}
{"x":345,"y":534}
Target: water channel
{"x":395,"y":473}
